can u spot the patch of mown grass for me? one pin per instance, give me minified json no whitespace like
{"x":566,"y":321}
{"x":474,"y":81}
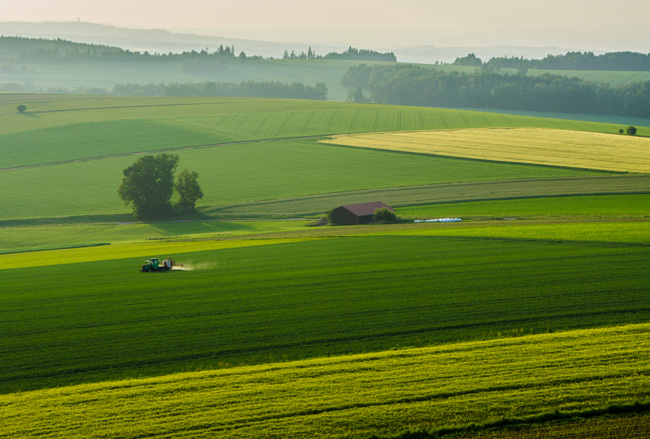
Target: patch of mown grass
{"x":102,"y":320}
{"x":400,"y":393}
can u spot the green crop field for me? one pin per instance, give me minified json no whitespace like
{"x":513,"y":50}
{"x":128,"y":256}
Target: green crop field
{"x":621,"y":206}
{"x":383,"y":394}
{"x":274,"y":329}
{"x":309,"y":299}
{"x":84,"y":143}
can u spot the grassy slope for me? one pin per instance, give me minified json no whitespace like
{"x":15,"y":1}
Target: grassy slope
{"x":230,"y":174}
{"x":303,"y":299}
{"x":354,"y":396}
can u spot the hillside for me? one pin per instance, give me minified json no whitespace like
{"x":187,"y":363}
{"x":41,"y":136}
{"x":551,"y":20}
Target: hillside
{"x":531,"y":313}
{"x":86,"y":142}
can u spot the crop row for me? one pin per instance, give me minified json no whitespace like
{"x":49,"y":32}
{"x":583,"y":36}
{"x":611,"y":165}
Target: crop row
{"x":354,"y":396}
{"x":93,"y":321}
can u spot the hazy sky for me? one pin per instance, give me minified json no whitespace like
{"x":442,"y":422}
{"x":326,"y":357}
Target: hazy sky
{"x":413,"y":14}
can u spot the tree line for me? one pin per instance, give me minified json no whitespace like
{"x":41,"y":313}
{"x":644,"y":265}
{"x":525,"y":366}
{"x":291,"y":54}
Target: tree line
{"x":418,"y":86}
{"x":31,"y":50}
{"x":351,"y":54}
{"x":268,"y":89}
{"x":612,"y":61}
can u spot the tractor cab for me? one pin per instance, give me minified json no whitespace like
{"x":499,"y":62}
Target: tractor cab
{"x":154,"y":264}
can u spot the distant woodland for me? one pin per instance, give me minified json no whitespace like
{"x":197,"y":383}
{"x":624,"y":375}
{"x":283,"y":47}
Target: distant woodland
{"x":614,"y":61}
{"x":419,"y":86}
{"x":268,"y":89}
{"x":32,"y":50}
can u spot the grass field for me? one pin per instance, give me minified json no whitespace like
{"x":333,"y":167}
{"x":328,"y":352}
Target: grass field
{"x":240,"y":344}
{"x":355,"y":396}
{"x":87,"y":142}
{"x":607,"y":206}
{"x":260,"y":303}
{"x":523,"y":145}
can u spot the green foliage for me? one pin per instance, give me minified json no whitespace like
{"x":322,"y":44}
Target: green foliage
{"x":148,"y":186}
{"x":21,"y":108}
{"x":385,"y":216}
{"x":631,"y":130}
{"x":267,"y":89}
{"x":469,"y":60}
{"x":189,"y":191}
{"x":419,"y":86}
{"x":613,"y":61}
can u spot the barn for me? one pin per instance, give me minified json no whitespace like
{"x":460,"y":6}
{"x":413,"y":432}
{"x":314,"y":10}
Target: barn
{"x":352,"y":214}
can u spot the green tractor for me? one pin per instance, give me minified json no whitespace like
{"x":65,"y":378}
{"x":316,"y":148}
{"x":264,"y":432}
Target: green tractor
{"x":155,"y":265}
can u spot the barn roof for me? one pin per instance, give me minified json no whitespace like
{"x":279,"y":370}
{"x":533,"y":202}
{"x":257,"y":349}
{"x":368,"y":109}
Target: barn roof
{"x":364,"y":209}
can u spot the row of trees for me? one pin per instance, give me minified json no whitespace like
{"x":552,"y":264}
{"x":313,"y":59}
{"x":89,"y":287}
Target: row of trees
{"x":351,"y":54}
{"x":414,"y":85}
{"x":148,"y":186}
{"x":269,"y":89}
{"x":613,"y":61}
{"x":28,"y":50}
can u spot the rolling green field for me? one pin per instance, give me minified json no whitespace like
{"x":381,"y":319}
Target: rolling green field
{"x":308,"y":300}
{"x":383,"y":394}
{"x":430,"y":327}
{"x":85,"y":143}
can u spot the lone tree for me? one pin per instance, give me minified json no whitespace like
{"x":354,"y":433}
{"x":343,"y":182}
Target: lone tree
{"x":148,"y":186}
{"x":631,"y":130}
{"x":189,"y":191}
{"x":21,"y":108}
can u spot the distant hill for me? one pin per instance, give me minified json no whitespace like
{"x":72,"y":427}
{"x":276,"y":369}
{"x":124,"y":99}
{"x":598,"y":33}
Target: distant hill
{"x":151,"y":40}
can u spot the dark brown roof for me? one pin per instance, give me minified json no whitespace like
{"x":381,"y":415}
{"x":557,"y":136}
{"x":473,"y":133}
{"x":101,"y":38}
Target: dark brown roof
{"x":364,"y":209}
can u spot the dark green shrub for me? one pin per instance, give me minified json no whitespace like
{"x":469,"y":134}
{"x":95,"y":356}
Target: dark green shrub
{"x":384,"y":215}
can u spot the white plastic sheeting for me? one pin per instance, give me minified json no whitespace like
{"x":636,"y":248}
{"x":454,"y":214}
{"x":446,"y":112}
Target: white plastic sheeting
{"x":440,"y":220}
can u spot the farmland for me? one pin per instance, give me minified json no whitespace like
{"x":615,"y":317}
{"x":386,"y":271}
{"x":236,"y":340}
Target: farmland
{"x":419,"y":389}
{"x":523,"y":145}
{"x":279,"y":329}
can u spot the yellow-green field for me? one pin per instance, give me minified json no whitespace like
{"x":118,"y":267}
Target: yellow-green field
{"x":608,"y":152}
{"x":353,"y":396}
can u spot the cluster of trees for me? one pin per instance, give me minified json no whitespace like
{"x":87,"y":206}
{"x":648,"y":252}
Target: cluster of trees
{"x":613,"y":61}
{"x":148,"y":186}
{"x":414,"y":85}
{"x":351,"y":54}
{"x":269,"y":89}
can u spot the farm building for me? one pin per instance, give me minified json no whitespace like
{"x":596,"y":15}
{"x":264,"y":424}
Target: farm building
{"x":352,"y":214}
